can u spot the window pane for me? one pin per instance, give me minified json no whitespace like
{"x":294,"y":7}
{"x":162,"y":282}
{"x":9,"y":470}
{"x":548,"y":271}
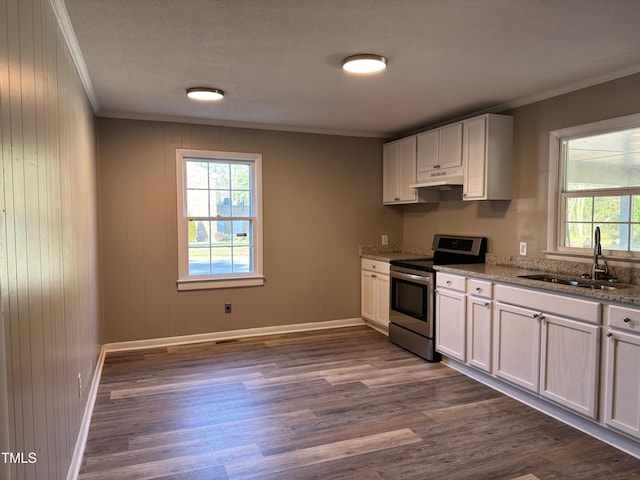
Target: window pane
{"x":222,"y":232}
{"x":636,"y":209}
{"x":635,"y":238}
{"x":611,"y":209}
{"x":197,"y":203}
{"x":219,"y":176}
{"x":241,"y":204}
{"x":242,"y":259}
{"x":578,"y":235}
{"x":199,"y":233}
{"x":615,"y":236}
{"x":199,"y":261}
{"x":579,"y":209}
{"x":221,"y":203}
{"x":221,"y":260}
{"x":609,"y":160}
{"x":242,"y":233}
{"x":240,"y":177}
{"x":197,"y":174}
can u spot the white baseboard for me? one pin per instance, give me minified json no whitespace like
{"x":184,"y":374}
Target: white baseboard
{"x":78,"y":452}
{"x":217,"y":336}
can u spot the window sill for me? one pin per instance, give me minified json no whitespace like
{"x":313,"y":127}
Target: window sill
{"x":212,"y":284}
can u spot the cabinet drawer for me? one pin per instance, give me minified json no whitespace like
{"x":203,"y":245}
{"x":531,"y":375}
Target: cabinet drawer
{"x":375,"y":266}
{"x":584,"y":310}
{"x":624,"y":318}
{"x":447,"y":280}
{"x":479,"y":288}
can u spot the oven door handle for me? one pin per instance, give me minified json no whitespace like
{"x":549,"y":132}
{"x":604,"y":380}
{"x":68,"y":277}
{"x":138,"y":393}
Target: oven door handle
{"x":413,"y":278}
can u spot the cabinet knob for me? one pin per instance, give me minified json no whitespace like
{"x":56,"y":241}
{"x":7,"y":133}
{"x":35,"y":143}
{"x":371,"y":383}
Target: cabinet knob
{"x":488,"y":304}
{"x":448,"y":282}
{"x":609,"y":334}
{"x":626,"y":319}
{"x":374,"y":276}
{"x":396,"y":199}
{"x":478,"y":289}
{"x":538,"y":316}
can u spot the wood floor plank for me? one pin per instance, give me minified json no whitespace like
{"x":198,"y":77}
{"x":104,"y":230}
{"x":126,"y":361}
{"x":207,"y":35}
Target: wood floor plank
{"x":282,"y":462}
{"x":336,"y":404}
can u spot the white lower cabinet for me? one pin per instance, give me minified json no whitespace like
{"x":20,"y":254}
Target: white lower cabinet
{"x":569,"y":363}
{"x":451,"y":323}
{"x":540,"y":348}
{"x":622,"y":373}
{"x":517,"y":345}
{"x":374,"y":292}
{"x":479,"y":324}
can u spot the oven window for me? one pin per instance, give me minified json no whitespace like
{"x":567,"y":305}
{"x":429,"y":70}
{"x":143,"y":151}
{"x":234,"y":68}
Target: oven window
{"x":409,"y":298}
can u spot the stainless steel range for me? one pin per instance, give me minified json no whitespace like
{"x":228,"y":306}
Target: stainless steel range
{"x":412,"y":302}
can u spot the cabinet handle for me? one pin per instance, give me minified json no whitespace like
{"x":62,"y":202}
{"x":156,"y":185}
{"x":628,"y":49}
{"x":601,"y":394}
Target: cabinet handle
{"x":626,"y":319}
{"x":538,"y":316}
{"x":487,"y":304}
{"x":374,"y":275}
{"x":609,"y":334}
{"x":396,"y":199}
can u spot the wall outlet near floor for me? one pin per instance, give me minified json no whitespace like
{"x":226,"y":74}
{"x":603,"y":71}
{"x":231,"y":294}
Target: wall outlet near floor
{"x":523,"y":248}
{"x":385,"y":239}
{"x":227,"y":308}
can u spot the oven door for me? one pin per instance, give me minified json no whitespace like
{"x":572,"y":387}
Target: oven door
{"x":411,"y":302}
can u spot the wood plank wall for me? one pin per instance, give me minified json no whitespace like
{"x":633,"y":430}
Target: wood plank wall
{"x":49,"y":242}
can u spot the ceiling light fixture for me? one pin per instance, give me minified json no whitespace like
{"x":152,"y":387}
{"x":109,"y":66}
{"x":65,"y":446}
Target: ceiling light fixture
{"x":364,"y":63}
{"x":205,"y":93}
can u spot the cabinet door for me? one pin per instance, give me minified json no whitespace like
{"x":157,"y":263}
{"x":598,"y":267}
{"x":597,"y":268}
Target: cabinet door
{"x":368,"y":295}
{"x":479,"y":351}
{"x":569,"y":363}
{"x":451,"y":323}
{"x":407,"y":169}
{"x":390,"y":173}
{"x":428,"y":151}
{"x":622,"y":382}
{"x":516,"y":345}
{"x":474,"y":156}
{"x":451,"y":146}
{"x":382,"y":299}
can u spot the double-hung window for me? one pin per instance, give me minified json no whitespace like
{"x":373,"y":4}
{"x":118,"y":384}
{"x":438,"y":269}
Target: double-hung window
{"x":595,"y":182}
{"x":219,"y":219}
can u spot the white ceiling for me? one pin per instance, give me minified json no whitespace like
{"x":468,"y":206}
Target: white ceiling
{"x":279,"y":60}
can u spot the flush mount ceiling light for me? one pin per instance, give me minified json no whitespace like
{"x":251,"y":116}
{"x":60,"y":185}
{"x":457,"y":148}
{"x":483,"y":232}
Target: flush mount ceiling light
{"x":205,"y":93}
{"x":364,"y":63}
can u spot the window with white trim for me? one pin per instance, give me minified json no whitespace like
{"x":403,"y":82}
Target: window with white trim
{"x":219,"y":219}
{"x":595,"y":170}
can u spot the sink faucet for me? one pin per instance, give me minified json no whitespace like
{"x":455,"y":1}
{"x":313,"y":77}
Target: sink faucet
{"x":596,"y":269}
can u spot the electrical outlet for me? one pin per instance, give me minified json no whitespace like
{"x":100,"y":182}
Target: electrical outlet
{"x":385,"y":239}
{"x":227,"y":308}
{"x":523,"y":248}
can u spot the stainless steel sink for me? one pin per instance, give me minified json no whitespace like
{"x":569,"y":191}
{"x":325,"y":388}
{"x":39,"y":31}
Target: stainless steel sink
{"x":583,"y":283}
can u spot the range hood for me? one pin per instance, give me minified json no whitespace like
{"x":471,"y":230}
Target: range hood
{"x":440,"y":180}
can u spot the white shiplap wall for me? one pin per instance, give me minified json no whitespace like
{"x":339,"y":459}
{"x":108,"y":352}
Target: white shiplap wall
{"x":49,"y":247}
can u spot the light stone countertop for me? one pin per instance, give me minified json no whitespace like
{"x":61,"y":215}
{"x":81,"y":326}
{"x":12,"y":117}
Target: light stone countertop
{"x":388,"y":256}
{"x":623,"y":293}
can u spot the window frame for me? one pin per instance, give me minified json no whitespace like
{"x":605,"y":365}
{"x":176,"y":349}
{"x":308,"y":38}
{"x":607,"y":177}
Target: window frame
{"x":556,"y":198}
{"x":214,"y":281}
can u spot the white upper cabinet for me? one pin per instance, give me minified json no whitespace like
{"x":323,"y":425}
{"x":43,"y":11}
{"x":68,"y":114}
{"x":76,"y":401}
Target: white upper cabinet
{"x":399,"y":171}
{"x":487,"y":156}
{"x":438,"y":150}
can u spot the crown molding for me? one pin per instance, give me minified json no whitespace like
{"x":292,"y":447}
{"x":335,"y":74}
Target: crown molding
{"x":60,"y":11}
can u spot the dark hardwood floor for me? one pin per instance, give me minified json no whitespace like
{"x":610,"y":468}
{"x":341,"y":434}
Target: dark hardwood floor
{"x":332,"y":404}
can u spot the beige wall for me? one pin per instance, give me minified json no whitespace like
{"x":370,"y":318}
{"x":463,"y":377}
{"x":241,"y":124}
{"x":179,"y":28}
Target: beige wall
{"x":48,"y":242}
{"x":322,"y":199}
{"x":524,"y":218}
